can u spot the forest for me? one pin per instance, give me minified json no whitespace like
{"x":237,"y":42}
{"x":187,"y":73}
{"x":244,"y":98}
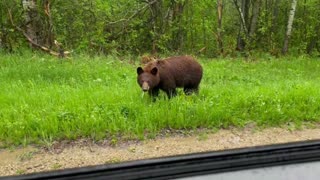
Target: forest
{"x":207,"y":28}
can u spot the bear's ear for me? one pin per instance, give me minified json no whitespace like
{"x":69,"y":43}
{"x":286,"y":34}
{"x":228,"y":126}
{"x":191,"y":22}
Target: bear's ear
{"x":154,"y":71}
{"x":139,"y":70}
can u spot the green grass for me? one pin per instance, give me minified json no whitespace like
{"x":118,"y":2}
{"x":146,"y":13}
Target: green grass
{"x":43,"y":99}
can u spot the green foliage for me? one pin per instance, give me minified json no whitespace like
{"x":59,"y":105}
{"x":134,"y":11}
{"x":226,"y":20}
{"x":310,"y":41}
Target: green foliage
{"x":78,"y":23}
{"x":9,"y":38}
{"x":44,"y":99}
{"x":165,"y":27}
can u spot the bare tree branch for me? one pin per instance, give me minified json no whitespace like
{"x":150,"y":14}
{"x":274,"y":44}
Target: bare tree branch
{"x":58,"y":54}
{"x":134,"y":14}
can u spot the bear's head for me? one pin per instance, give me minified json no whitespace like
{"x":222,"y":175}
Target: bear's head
{"x":148,"y":79}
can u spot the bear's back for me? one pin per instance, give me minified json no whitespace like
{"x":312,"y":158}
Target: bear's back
{"x":184,"y":70}
{"x":184,"y":65}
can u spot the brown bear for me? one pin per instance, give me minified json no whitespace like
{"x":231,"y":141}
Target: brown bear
{"x":170,"y":73}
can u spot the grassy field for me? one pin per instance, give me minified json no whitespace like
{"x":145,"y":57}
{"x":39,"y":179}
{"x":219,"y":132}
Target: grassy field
{"x":43,"y":99}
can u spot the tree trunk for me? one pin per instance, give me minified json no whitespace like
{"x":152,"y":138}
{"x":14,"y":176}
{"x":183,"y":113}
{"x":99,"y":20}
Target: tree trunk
{"x":289,"y":27}
{"x":157,"y":23}
{"x":192,"y":37}
{"x":243,"y":11}
{"x":31,"y":17}
{"x":177,"y":9}
{"x":219,"y":30}
{"x":254,"y":19}
{"x":313,"y":41}
{"x":50,"y":34}
{"x":1,"y":39}
{"x":275,"y":14}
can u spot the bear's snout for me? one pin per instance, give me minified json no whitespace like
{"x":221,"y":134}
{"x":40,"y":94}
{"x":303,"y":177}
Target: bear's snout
{"x":145,"y":86}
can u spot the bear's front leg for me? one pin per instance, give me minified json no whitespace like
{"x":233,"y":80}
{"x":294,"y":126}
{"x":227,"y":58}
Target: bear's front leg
{"x":154,"y":92}
{"x":171,"y":93}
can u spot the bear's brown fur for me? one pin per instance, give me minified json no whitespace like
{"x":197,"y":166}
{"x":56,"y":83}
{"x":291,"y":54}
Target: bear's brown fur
{"x":170,"y":73}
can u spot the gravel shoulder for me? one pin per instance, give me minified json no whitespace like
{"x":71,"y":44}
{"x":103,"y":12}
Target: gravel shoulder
{"x":32,"y":159}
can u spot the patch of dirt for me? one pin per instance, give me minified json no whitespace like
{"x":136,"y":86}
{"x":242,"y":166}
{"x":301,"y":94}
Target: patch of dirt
{"x":83,"y":153}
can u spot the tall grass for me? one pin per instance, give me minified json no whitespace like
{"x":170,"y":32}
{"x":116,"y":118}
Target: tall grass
{"x":43,"y":99}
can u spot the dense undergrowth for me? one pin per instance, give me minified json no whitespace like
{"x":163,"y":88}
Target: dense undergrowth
{"x":44,"y":99}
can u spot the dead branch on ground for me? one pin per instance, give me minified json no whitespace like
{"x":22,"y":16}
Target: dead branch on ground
{"x":61,"y":53}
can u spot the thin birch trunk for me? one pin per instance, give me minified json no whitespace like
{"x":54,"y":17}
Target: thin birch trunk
{"x":289,"y":27}
{"x":243,"y":11}
{"x":219,"y":30}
